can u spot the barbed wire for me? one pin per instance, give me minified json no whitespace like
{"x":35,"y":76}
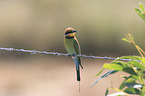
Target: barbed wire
{"x":59,"y":54}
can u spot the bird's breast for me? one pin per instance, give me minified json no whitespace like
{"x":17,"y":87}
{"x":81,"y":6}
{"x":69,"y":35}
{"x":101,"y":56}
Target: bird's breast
{"x":69,"y":45}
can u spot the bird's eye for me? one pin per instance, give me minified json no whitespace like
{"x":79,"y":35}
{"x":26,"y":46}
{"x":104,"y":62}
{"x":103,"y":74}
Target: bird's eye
{"x":74,"y":31}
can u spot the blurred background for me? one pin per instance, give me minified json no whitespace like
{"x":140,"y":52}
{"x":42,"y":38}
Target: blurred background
{"x":40,"y":25}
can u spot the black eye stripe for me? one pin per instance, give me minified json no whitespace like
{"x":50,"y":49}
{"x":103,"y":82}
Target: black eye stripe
{"x":69,"y":37}
{"x":68,"y":33}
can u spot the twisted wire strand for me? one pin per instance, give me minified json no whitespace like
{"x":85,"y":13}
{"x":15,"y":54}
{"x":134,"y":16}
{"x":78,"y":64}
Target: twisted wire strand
{"x":59,"y":54}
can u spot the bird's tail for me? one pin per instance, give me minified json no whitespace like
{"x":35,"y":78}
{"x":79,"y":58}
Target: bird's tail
{"x":78,"y":75}
{"x":76,"y":60}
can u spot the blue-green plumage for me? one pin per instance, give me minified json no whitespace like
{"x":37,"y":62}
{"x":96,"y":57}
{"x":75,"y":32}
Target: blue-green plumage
{"x":73,"y":48}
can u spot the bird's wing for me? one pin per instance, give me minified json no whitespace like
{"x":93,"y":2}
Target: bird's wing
{"x":78,"y":51}
{"x":77,"y":47}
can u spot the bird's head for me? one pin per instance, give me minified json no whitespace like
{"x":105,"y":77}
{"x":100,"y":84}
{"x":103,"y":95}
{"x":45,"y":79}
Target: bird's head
{"x":70,"y":32}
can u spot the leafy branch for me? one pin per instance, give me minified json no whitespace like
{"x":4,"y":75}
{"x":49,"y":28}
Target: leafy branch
{"x":130,"y":39}
{"x":134,"y":83}
{"x":141,"y":11}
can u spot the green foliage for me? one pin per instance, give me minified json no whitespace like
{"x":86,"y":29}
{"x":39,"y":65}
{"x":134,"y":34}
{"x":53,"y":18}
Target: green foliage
{"x":132,"y":91}
{"x":135,"y":68}
{"x":106,"y":93}
{"x":104,"y":75}
{"x":132,"y":65}
{"x":141,"y":12}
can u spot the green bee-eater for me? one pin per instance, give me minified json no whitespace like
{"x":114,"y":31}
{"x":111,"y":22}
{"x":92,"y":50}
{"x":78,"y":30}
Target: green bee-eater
{"x":73,"y":48}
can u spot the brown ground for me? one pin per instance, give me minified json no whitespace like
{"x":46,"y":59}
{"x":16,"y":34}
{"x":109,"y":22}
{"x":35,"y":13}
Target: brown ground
{"x":52,"y":76}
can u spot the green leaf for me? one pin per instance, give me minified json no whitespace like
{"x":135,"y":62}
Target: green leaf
{"x":113,"y":67}
{"x":130,"y":71}
{"x":130,"y":37}
{"x":121,"y":63}
{"x":143,"y":61}
{"x":141,"y":6}
{"x":129,"y":58}
{"x":108,"y":73}
{"x":100,"y":72}
{"x":132,"y":91}
{"x":143,"y":74}
{"x":129,"y":79}
{"x":122,"y":86}
{"x":106,"y":93}
{"x":136,"y":77}
{"x":105,"y":75}
{"x":143,"y":90}
{"x":138,"y":11}
{"x":137,"y":64}
{"x":142,"y":93}
{"x":120,"y":66}
{"x":142,"y":15}
{"x":126,"y":40}
{"x":134,"y":85}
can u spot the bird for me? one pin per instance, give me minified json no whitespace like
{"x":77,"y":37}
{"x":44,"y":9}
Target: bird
{"x":72,"y":46}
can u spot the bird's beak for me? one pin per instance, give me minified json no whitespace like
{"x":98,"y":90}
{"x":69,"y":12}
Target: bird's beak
{"x":74,"y":31}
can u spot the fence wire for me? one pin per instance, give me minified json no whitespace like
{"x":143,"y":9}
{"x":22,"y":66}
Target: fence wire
{"x":59,"y":54}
